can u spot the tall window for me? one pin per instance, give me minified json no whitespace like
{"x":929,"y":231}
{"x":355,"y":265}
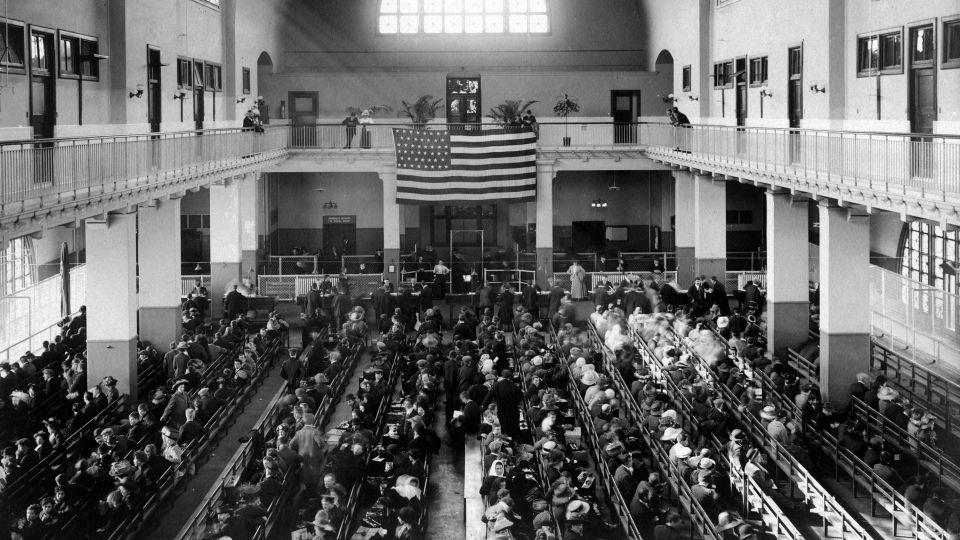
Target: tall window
{"x":723,"y":74}
{"x":16,"y":265}
{"x":184,"y":77}
{"x":11,"y":46}
{"x":77,"y":57}
{"x":883,"y":52}
{"x":924,"y":250}
{"x":213,"y":82}
{"x":686,"y":78}
{"x":463,"y":17}
{"x":246,"y":80}
{"x":951,"y":43}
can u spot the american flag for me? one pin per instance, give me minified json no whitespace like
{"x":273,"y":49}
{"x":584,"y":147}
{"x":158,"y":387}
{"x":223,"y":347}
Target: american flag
{"x":463,"y":166}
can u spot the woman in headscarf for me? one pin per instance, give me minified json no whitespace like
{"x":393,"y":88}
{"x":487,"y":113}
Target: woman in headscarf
{"x":496,"y":479}
{"x":405,"y":493}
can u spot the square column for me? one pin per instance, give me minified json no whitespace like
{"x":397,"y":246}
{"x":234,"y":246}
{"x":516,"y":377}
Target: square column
{"x":225,"y":252}
{"x":788,"y":296}
{"x":684,"y":223}
{"x":844,"y":299}
{"x":710,"y":232}
{"x":391,"y":225}
{"x":158,"y":239}
{"x":249,"y":212}
{"x":545,"y":177}
{"x":112,"y":300}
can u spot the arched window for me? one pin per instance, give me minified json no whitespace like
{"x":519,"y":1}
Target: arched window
{"x":463,"y":17}
{"x":16,"y":265}
{"x":924,"y":249}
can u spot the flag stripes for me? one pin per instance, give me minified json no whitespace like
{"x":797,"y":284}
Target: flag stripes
{"x":440,"y":166}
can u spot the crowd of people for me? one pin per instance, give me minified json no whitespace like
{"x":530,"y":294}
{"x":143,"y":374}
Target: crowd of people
{"x":97,"y":459}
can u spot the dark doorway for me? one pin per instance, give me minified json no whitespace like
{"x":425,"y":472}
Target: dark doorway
{"x":589,"y":236}
{"x":923,"y":98}
{"x":43,"y":102}
{"x":625,"y":109}
{"x":794,"y":98}
{"x":340,"y":233}
{"x":304,"y":109}
{"x":198,"y":95}
{"x":153,"y":88}
{"x":740,"y":80}
{"x":463,"y":100}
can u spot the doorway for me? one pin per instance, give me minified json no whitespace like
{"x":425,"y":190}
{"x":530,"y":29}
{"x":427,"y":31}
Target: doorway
{"x":795,"y":98}
{"x":43,"y":102}
{"x":740,"y":80}
{"x":340,"y":234}
{"x":304,"y":109}
{"x":463,"y":101}
{"x":153,"y":88}
{"x":588,"y":236}
{"x":625,"y":110}
{"x":198,"y":95}
{"x":923,"y":98}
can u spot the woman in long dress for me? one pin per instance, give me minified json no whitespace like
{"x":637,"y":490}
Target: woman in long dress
{"x":577,"y":273}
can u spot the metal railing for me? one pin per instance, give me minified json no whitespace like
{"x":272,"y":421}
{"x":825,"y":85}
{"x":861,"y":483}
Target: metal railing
{"x":39,"y":168}
{"x":891,"y":162}
{"x":550,"y":135}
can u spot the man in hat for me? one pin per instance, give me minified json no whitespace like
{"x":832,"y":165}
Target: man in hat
{"x":175,"y":412}
{"x":236,"y":303}
{"x":508,"y":399}
{"x":191,"y":430}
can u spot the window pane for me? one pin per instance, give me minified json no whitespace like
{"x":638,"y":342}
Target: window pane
{"x":538,"y":6}
{"x":409,"y":24}
{"x":890,"y":50}
{"x":494,"y":6}
{"x":473,"y":6}
{"x":453,"y":6}
{"x":388,"y":6}
{"x":67,"y":56}
{"x":433,"y":24}
{"x":453,"y":24}
{"x":11,"y":45}
{"x":473,"y":24}
{"x":923,"y":44}
{"x":518,"y":6}
{"x":408,"y":6}
{"x":952,"y":39}
{"x":388,"y":24}
{"x":518,"y":23}
{"x":494,"y":24}
{"x":432,"y":6}
{"x":538,"y":23}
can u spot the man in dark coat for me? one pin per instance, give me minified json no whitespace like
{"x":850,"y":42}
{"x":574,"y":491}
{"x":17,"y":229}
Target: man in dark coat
{"x":719,"y":296}
{"x":697,"y":295}
{"x":556,"y":295}
{"x":508,"y":399}
{"x":506,"y":305}
{"x":451,"y":371}
{"x":381,"y":301}
{"x":426,"y":297}
{"x":314,"y":300}
{"x":292,"y":370}
{"x":236,"y":303}
{"x":751,"y":293}
{"x":528,"y":297}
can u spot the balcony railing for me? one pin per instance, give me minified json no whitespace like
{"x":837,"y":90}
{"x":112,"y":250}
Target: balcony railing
{"x":891,"y":162}
{"x":551,"y":135}
{"x":44,"y":167}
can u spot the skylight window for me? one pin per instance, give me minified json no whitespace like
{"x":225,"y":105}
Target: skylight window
{"x":463,"y":16}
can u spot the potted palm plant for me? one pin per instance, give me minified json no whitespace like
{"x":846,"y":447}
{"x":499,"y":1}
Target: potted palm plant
{"x":510,"y":112}
{"x":565,"y":106}
{"x":421,"y":111}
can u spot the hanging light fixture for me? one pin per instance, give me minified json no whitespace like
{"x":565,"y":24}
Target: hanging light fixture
{"x":598,"y":203}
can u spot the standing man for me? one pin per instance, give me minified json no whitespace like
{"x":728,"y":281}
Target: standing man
{"x":719,"y":296}
{"x":236,"y":303}
{"x":350,"y":123}
{"x":528,"y":297}
{"x":556,"y":295}
{"x":508,"y":399}
{"x":313,"y":300}
{"x":440,"y":273}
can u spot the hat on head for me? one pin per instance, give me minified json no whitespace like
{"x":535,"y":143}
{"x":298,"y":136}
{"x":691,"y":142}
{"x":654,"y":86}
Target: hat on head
{"x":109,"y":381}
{"x":669,"y":413}
{"x":707,"y":463}
{"x":183,"y":345}
{"x":769,"y":413}
{"x":885,"y":393}
{"x":684,"y":452}
{"x":723,"y":322}
{"x":670,"y":434}
{"x":179,"y":382}
{"x":736,"y":435}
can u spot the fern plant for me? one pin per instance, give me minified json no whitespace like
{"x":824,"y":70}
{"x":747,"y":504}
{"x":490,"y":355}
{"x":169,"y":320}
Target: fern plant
{"x":421,"y":111}
{"x":374,"y":109}
{"x":510,"y":112}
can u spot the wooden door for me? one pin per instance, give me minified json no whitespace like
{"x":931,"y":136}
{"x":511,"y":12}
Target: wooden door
{"x":740,"y":80}
{"x":795,"y":99}
{"x":153,"y":89}
{"x":923,"y":98}
{"x":43,"y":98}
{"x":624,"y":108}
{"x":198,"y":95}
{"x":304,"y":109}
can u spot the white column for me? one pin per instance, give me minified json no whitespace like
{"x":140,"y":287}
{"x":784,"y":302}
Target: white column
{"x":546,"y":174}
{"x":111,"y":244}
{"x":158,"y":239}
{"x":684,"y":225}
{"x":249,"y":213}
{"x":225,"y":252}
{"x":788,"y":296}
{"x":391,"y":224}
{"x":844,"y":299}
{"x":710,"y":233}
